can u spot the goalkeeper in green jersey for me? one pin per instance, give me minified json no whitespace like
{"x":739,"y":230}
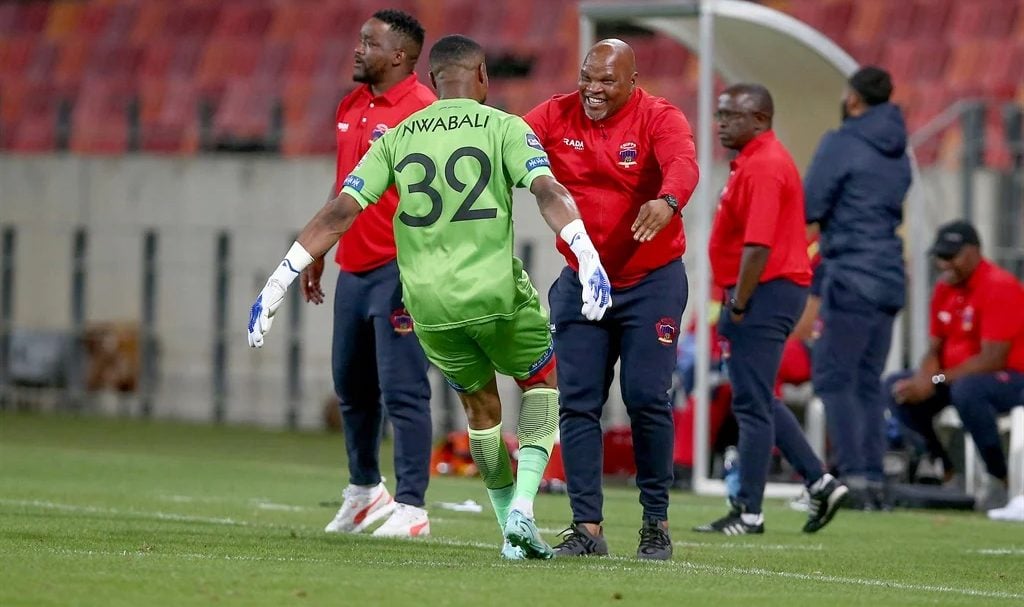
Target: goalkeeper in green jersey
{"x":474,"y":308}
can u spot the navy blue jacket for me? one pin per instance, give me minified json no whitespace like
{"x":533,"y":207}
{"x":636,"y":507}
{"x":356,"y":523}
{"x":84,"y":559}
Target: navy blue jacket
{"x":854,"y":189}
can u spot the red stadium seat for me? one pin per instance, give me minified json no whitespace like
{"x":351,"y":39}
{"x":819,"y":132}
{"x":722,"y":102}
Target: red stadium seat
{"x":244,"y":111}
{"x":243,"y":19}
{"x":31,"y":17}
{"x":63,"y":20}
{"x":868,"y":22}
{"x":99,"y":122}
{"x":72,"y":61}
{"x":168,"y":116}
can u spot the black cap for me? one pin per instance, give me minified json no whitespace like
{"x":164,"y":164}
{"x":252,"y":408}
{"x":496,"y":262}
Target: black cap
{"x":873,"y":84}
{"x":952,"y":237}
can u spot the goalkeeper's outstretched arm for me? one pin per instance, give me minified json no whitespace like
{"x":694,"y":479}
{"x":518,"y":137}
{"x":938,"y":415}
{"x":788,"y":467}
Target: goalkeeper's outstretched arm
{"x":319,"y":235}
{"x":560,"y":212}
{"x":330,"y":222}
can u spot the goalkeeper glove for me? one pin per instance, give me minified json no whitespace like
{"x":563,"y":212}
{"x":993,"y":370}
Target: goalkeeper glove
{"x":597,"y":289}
{"x":261,"y":314}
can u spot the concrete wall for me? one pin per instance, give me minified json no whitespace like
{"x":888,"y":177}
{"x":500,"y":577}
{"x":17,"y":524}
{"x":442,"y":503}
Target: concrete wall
{"x":262,"y":201}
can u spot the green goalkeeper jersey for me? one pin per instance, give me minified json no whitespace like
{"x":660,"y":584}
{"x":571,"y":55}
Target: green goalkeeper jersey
{"x":454,"y":164}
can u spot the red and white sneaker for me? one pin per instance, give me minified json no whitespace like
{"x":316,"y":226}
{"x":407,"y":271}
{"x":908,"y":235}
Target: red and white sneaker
{"x":406,"y":521}
{"x":362,"y":507}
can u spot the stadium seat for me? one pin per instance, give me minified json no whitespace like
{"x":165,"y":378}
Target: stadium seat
{"x":168,"y":116}
{"x":244,"y":112}
{"x":99,"y":123}
{"x":243,"y":19}
{"x":72,"y":61}
{"x":867,"y":22}
{"x":63,"y":20}
{"x":31,"y":17}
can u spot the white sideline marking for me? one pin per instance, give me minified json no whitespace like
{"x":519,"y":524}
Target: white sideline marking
{"x":282,"y":507}
{"x":189,"y":555}
{"x":832,"y":579}
{"x":999,"y":551}
{"x":601,"y":564}
{"x":750,"y":546}
{"x":166,"y":516}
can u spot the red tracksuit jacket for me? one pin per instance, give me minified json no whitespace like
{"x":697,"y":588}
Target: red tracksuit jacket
{"x":615,"y":165}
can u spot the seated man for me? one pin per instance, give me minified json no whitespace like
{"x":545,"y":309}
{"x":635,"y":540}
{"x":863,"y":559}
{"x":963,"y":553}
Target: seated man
{"x":975,"y":360}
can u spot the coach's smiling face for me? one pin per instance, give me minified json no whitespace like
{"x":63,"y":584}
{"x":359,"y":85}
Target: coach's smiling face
{"x":607,"y":79}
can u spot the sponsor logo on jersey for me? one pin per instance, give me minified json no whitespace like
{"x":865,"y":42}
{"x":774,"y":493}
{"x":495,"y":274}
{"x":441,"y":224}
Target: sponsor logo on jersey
{"x":967,"y":318}
{"x":667,"y":329}
{"x":401,"y":321}
{"x":378,"y":132}
{"x":576,"y":144}
{"x":627,"y":154}
{"x":539,"y":161}
{"x":343,"y":127}
{"x":945,"y":317}
{"x":353,"y":182}
{"x":533,"y":142}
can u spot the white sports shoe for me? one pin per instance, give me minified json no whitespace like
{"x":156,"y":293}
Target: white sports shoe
{"x":405,"y":521}
{"x":1014,"y":511}
{"x":362,"y":507}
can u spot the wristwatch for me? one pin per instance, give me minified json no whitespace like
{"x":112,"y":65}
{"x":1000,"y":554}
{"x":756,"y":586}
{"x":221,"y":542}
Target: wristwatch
{"x":736,"y":309}
{"x":939,"y":379}
{"x":672,"y":202}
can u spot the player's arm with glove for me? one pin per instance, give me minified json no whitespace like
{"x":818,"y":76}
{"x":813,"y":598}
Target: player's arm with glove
{"x":319,"y":235}
{"x":560,"y":212}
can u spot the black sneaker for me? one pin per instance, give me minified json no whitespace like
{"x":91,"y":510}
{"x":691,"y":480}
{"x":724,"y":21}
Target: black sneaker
{"x":824,"y":503}
{"x":655,"y":543}
{"x":731,"y":524}
{"x":577,"y":541}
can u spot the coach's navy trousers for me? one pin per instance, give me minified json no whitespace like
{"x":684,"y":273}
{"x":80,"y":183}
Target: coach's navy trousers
{"x":755,"y":352}
{"x":641,"y":329}
{"x":978,"y":400}
{"x":376,"y":357}
{"x":847,"y":363}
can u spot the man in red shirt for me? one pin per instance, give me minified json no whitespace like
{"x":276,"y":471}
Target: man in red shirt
{"x":375,"y":356}
{"x":975,"y":360}
{"x":758,"y":253}
{"x":628,"y":159}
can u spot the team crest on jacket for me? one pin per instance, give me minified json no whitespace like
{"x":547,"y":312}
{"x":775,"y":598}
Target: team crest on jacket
{"x":667,"y":329}
{"x":378,"y":132}
{"x":627,"y":154}
{"x":401,"y":321}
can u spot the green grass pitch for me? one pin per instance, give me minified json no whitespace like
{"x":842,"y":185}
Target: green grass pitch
{"x":118,"y":512}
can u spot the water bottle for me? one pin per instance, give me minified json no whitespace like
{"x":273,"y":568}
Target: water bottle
{"x":731,"y":466}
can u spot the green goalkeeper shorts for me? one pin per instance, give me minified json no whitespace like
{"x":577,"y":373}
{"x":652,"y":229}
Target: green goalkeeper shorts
{"x":468,"y":356}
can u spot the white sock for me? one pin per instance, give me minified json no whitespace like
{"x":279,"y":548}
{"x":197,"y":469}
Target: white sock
{"x":361,"y":490}
{"x":819,"y":484}
{"x":523,"y":505}
{"x":752,"y":519}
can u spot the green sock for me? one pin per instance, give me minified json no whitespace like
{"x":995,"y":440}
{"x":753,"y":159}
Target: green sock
{"x":491,"y":458}
{"x":538,"y":424}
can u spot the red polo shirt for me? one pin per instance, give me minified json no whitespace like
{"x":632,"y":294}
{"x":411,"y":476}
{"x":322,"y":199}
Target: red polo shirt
{"x":612,"y":167}
{"x":361,"y":119}
{"x":762,"y":204}
{"x":988,"y":307}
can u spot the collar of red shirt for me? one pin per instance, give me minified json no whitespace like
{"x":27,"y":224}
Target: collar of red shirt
{"x":977,"y":276}
{"x":395,"y":93}
{"x":752,"y":147}
{"x":618,"y":116}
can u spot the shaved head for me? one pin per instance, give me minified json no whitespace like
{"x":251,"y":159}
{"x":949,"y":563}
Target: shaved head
{"x":607,"y":78}
{"x":613,"y":50}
